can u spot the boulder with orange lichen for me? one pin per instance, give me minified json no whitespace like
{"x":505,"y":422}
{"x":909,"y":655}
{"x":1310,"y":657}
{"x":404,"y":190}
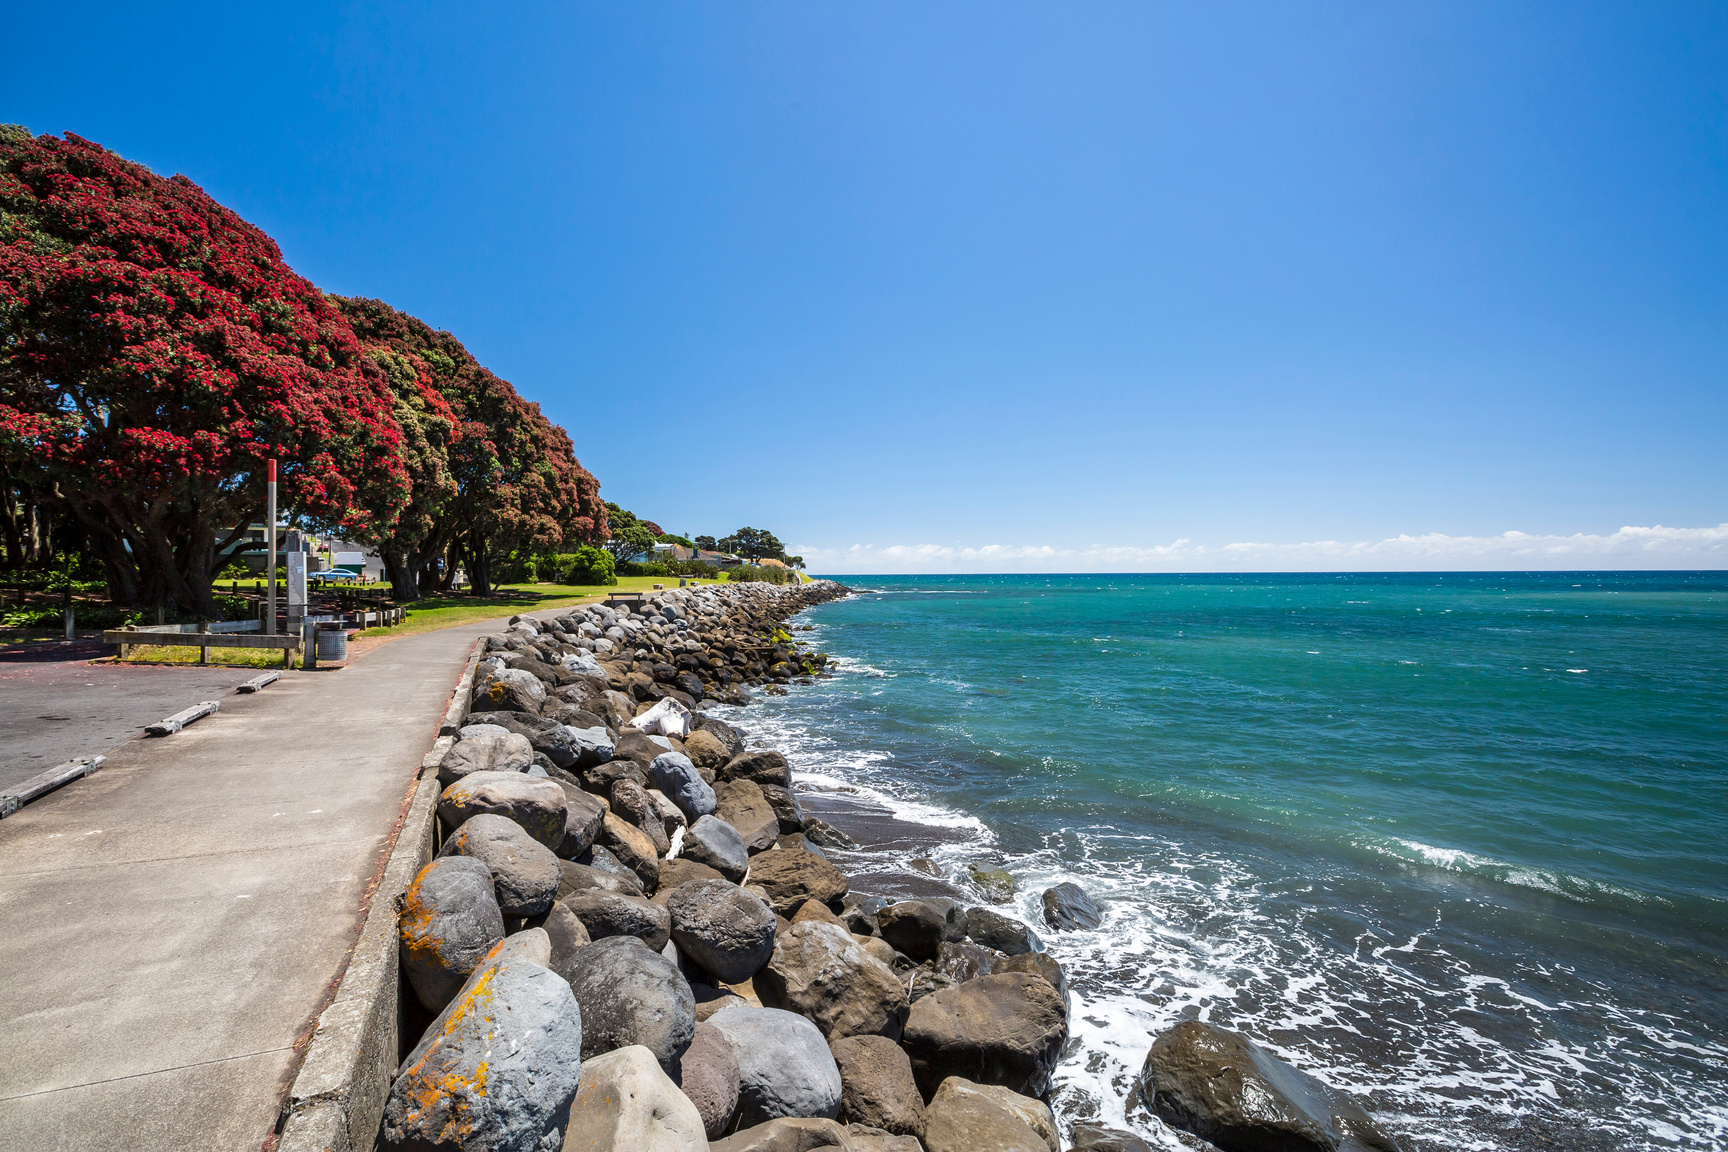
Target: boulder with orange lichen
{"x":497,"y":1070}
{"x":450,"y":920}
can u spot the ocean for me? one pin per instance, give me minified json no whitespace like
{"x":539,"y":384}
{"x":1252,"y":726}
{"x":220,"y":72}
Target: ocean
{"x":1455,"y":842}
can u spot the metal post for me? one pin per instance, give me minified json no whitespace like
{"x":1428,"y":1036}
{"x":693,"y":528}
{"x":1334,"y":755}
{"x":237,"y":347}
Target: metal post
{"x":270,"y":530}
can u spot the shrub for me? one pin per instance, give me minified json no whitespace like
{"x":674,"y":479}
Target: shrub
{"x":589,"y":565}
{"x":747,"y":573}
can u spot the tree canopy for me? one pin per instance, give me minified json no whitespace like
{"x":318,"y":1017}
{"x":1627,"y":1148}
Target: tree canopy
{"x":753,"y":544}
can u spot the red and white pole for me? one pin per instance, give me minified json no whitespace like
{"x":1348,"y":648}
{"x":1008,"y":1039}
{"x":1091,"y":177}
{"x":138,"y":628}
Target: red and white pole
{"x":270,"y":535}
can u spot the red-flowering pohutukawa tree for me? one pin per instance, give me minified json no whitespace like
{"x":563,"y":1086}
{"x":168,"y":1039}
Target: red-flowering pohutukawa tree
{"x":155,"y":351}
{"x":490,"y":473}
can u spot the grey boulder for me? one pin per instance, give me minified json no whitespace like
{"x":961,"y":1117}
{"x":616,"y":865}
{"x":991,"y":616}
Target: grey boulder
{"x":741,"y":804}
{"x":631,"y":801}
{"x":994,"y":930}
{"x":1225,"y":1088}
{"x":583,"y":815}
{"x":627,"y":1103}
{"x":1097,"y":1138}
{"x":818,"y":971}
{"x":490,"y":751}
{"x":574,"y":748}
{"x":673,"y":774}
{"x":714,"y":842}
{"x":631,"y":995}
{"x":574,"y":877}
{"x":913,"y":927}
{"x":535,"y":803}
{"x":784,"y":1066}
{"x":495,"y":1071}
{"x":727,"y":931}
{"x":524,"y":871}
{"x":606,"y":914}
{"x":450,"y":921}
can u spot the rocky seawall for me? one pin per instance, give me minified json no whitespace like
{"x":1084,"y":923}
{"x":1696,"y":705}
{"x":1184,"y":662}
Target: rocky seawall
{"x":634,"y":937}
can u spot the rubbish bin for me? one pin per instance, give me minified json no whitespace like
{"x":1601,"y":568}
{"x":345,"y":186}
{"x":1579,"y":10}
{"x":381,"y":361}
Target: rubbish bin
{"x":332,"y":645}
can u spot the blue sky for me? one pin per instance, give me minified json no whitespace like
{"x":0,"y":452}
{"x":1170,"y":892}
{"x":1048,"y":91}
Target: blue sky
{"x":1000,"y":286}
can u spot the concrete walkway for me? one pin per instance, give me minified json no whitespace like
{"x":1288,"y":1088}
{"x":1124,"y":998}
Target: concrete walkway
{"x":171,"y":926}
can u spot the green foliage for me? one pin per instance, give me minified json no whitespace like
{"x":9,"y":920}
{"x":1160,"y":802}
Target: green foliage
{"x":235,"y":571}
{"x":589,"y":565}
{"x":753,"y":544}
{"x":707,"y":543}
{"x":94,"y":616}
{"x":749,"y":573}
{"x":630,"y":537}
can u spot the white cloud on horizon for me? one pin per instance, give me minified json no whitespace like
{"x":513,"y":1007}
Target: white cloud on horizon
{"x":1631,"y":547}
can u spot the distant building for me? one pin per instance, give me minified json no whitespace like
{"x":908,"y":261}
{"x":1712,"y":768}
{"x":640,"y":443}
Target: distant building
{"x":718,"y":559}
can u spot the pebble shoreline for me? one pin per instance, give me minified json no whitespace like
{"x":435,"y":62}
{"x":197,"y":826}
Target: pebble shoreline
{"x":633,"y":938}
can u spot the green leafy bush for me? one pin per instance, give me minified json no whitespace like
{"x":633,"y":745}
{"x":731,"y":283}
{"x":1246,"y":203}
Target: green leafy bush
{"x":747,"y":574}
{"x":589,"y":565}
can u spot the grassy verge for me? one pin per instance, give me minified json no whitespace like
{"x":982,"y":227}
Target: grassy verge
{"x":225,"y":657}
{"x":435,"y":612}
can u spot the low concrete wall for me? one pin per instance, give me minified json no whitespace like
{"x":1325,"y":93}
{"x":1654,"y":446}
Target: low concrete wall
{"x":337,"y":1100}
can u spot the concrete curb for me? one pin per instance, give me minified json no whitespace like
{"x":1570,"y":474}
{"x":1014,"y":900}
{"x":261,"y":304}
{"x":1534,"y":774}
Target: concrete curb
{"x":337,"y":1100}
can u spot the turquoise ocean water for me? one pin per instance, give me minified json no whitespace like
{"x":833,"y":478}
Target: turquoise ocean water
{"x":1456,"y":842}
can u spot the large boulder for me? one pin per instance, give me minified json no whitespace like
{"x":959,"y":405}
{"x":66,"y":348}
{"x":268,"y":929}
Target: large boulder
{"x":714,"y":842}
{"x":792,"y":877}
{"x":867,"y":1139}
{"x":764,"y":766}
{"x":583,"y":816}
{"x":673,"y":774}
{"x":606,"y":914}
{"x":1038,"y":964}
{"x":1097,"y":1138}
{"x":633,"y":849}
{"x":674,"y":874}
{"x":627,"y":1103}
{"x":788,"y":1136}
{"x":1006,"y":1030}
{"x":600,"y":778}
{"x":563,"y":931}
{"x":489,"y":751}
{"x":913,"y":927}
{"x":730,"y":738}
{"x":524,"y":871}
{"x":1035,"y":1114}
{"x":510,"y":690}
{"x":1225,"y":1088}
{"x":706,"y":750}
{"x":741,"y":804}
{"x":534,"y":802}
{"x":968,"y":1122}
{"x":574,"y":748}
{"x":631,"y":995}
{"x":787,"y":810}
{"x":708,"y":1074}
{"x":450,"y":921}
{"x":631,"y":801}
{"x":876,"y":1085}
{"x":784,"y":1066}
{"x":640,"y":748}
{"x":994,"y":930}
{"x":818,"y":971}
{"x":495,"y":1071}
{"x":727,"y":931}
{"x":1067,"y":908}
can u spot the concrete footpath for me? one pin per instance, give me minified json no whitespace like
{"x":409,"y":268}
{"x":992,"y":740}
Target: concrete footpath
{"x":171,"y":926}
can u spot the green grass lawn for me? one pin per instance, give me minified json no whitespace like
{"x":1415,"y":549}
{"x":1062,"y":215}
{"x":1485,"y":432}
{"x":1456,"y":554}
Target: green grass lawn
{"x":435,"y":612}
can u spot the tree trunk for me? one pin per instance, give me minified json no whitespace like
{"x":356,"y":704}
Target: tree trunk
{"x":402,"y":569}
{"x":479,"y":567}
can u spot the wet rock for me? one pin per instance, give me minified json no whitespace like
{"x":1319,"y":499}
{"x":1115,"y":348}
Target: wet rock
{"x":1224,"y":1088}
{"x":997,"y":886}
{"x":994,"y":930}
{"x":535,"y":804}
{"x":1097,"y":1138}
{"x":494,"y":1070}
{"x":784,"y":1066}
{"x":583,"y":816}
{"x":825,"y":835}
{"x":818,"y":971}
{"x":633,"y":849}
{"x":674,"y":774}
{"x":913,"y":927}
{"x":606,"y":914}
{"x":450,"y":920}
{"x":925,"y":865}
{"x":965,"y":960}
{"x":627,"y":1103}
{"x":714,"y":842}
{"x":741,"y":804}
{"x":574,"y":877}
{"x":524,"y":871}
{"x":797,"y":842}
{"x":1038,"y":964}
{"x":876,"y":1085}
{"x":1035,"y":1114}
{"x":954,"y":913}
{"x":1005,"y":1030}
{"x":765,"y":766}
{"x":631,"y":801}
{"x":1067,"y":908}
{"x":489,"y":752}
{"x":631,"y":995}
{"x":790,"y":878}
{"x":860,"y":913}
{"x":726,"y":930}
{"x":968,"y":1122}
{"x":708,"y":1074}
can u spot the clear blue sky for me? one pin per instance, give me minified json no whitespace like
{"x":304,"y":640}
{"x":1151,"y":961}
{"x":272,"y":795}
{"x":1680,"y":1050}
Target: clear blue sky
{"x":1099,"y":286}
